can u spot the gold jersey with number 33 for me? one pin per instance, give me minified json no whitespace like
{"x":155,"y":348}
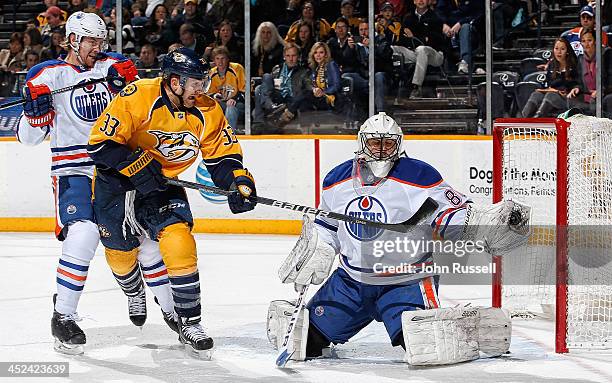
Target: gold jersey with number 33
{"x":142,"y":116}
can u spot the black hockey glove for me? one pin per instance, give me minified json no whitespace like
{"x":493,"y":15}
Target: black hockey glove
{"x":144,"y":172}
{"x":243,"y":198}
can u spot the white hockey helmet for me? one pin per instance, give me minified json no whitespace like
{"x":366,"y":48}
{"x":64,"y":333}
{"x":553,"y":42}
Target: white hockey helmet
{"x":380,"y":143}
{"x":85,"y":25}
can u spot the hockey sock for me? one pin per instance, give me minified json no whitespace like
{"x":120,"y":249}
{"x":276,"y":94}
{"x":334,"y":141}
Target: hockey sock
{"x":316,"y":343}
{"x":155,"y":274}
{"x":77,"y":251}
{"x":156,"y":277}
{"x":130,"y":283}
{"x":186,"y":295}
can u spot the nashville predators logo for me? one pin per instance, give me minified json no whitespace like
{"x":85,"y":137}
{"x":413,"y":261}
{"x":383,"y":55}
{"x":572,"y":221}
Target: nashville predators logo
{"x":176,"y":147}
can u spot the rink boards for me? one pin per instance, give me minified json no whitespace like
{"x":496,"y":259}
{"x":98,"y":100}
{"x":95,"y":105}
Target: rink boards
{"x":287,"y":168}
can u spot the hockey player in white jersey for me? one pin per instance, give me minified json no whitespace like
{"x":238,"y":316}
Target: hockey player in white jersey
{"x":382,"y":185}
{"x":67,"y":118}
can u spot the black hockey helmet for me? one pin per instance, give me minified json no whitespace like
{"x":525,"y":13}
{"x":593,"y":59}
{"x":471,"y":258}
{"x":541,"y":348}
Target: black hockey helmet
{"x":184,"y":63}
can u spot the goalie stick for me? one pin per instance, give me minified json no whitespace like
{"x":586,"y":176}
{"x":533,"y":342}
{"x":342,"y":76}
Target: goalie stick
{"x":428,"y":208}
{"x":62,"y":90}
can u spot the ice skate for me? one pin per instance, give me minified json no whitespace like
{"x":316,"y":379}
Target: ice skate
{"x":137,"y":308}
{"x":171,"y":320}
{"x":69,"y":338}
{"x":197,"y":343}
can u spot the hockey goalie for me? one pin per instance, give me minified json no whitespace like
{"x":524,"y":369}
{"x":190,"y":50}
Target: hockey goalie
{"x":381,"y":183}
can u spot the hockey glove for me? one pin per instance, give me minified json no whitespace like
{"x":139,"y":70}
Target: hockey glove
{"x":144,"y":172}
{"x":120,"y":74}
{"x":38,"y":106}
{"x":243,"y":198}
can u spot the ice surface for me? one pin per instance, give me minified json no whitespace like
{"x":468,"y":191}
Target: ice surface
{"x":238,"y":274}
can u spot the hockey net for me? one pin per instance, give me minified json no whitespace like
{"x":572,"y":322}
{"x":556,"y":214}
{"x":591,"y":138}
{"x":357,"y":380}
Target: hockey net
{"x":563,"y":170}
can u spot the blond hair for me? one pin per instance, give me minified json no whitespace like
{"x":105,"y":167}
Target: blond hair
{"x":311,"y":61}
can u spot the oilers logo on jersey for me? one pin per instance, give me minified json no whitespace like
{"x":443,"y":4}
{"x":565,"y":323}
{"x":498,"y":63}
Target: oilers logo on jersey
{"x":176,"y":147}
{"x":365,"y":207}
{"x":88,"y":103}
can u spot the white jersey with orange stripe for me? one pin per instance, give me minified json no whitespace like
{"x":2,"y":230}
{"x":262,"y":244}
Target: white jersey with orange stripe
{"x":75,"y":112}
{"x":374,"y":256}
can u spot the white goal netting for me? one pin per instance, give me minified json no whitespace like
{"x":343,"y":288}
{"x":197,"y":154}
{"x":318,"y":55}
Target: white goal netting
{"x":529,"y":174}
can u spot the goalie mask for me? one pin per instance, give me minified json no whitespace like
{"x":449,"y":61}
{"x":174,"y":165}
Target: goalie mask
{"x":380,"y":142}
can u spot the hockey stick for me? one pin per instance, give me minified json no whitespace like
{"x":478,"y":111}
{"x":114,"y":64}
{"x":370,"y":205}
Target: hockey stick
{"x":61,"y":90}
{"x":428,"y":208}
{"x":283,"y":354}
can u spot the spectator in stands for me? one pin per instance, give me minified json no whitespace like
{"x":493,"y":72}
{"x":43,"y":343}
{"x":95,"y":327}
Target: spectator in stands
{"x":562,"y":77}
{"x":190,"y":40}
{"x":399,"y":6}
{"x":192,"y":15}
{"x":325,"y":76}
{"x":32,"y":58}
{"x":227,"y":85}
{"x":55,"y":50}
{"x":232,"y":10}
{"x":320,"y":27}
{"x":460,"y":18}
{"x":55,"y":21}
{"x":267,"y":49}
{"x":42,"y":17}
{"x":504,"y":12}
{"x":138,"y":17}
{"x":32,"y":41}
{"x":585,"y":96}
{"x":147,"y":60}
{"x":227,"y":38}
{"x":347,"y":10}
{"x":304,"y":40}
{"x":294,"y":84}
{"x":128,"y":37}
{"x":159,"y":28}
{"x":387,"y":25}
{"x":587,"y":20}
{"x":383,"y":53}
{"x":13,"y":58}
{"x":423,"y":43}
{"x":342,"y":47}
{"x":75,"y":6}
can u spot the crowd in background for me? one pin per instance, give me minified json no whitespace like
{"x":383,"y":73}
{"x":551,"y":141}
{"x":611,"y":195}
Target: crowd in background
{"x":304,"y":51}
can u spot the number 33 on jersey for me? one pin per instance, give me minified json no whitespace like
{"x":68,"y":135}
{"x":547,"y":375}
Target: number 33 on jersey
{"x":143,"y":116}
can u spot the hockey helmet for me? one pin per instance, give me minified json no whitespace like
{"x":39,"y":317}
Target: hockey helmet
{"x":86,"y":25}
{"x":380,"y":143}
{"x":184,"y":63}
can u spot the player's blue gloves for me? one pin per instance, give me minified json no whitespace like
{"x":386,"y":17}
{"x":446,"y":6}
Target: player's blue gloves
{"x":120,"y":74}
{"x":38,"y":106}
{"x":243,"y":187}
{"x":144,"y":172}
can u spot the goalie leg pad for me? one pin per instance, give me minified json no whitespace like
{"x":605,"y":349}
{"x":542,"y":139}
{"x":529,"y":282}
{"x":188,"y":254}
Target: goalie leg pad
{"x":279,"y":316}
{"x":440,"y":336}
{"x":494,"y":331}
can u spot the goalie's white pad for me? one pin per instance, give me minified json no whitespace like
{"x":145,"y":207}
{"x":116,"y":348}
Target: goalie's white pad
{"x":454,"y":335}
{"x":310,"y":260}
{"x":502,"y":226}
{"x":279,"y":316}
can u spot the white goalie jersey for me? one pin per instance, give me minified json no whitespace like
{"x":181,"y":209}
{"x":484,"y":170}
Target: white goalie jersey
{"x":75,"y":113}
{"x":369,"y":254}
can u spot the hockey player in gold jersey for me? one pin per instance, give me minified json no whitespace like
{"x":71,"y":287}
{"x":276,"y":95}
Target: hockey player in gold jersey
{"x":154,"y":129}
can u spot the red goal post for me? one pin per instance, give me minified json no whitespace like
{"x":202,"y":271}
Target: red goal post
{"x":572,"y":159}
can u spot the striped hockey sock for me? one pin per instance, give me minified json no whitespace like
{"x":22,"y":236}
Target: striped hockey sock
{"x":186,"y":294}
{"x":156,"y":277}
{"x":70,"y":279}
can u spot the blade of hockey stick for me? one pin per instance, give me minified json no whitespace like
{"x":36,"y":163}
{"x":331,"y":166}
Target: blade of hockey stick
{"x":283,"y":353}
{"x":426,"y":210}
{"x":61,"y":90}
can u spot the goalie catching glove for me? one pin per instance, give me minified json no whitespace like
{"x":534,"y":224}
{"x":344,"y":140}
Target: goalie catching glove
{"x":244,"y":196}
{"x":502,"y":226}
{"x":311,"y":259}
{"x":144,"y":172}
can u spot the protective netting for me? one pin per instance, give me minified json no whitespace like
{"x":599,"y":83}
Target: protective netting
{"x":530,"y":176}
